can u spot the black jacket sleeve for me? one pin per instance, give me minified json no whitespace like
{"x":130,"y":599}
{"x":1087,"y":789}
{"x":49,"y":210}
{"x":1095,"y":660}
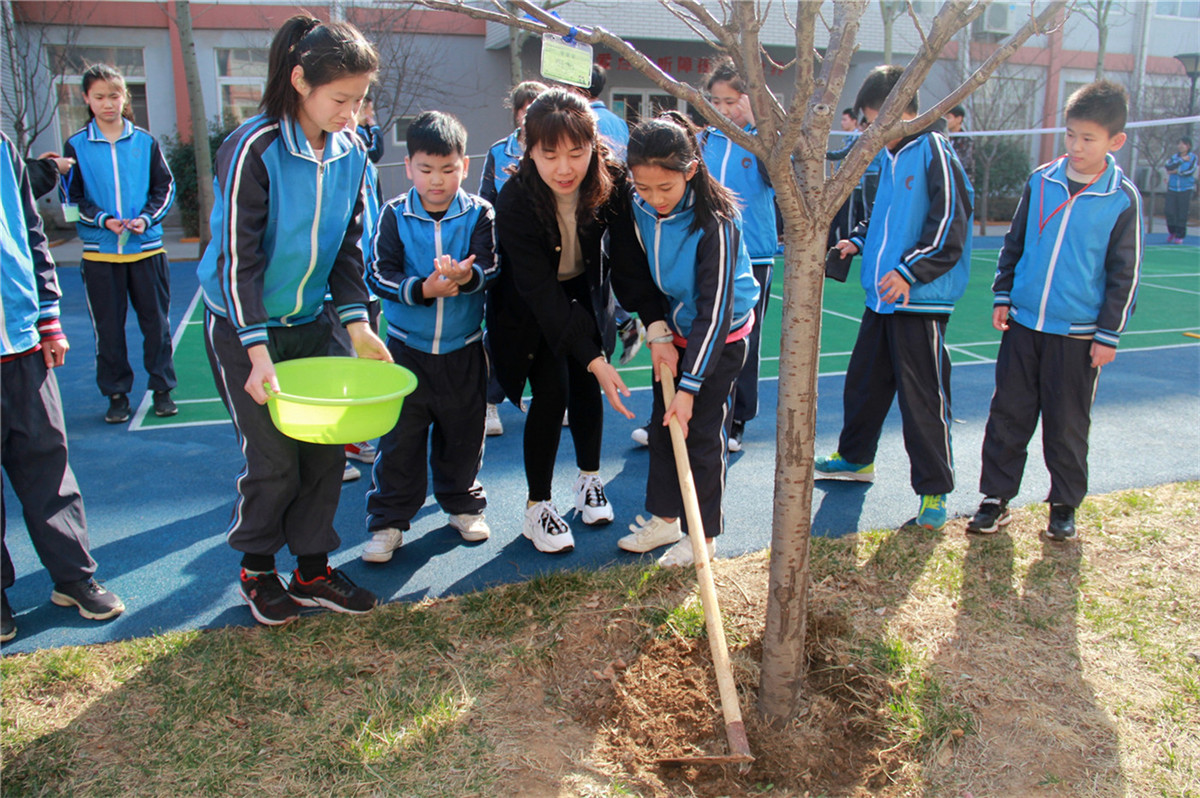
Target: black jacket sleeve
{"x":43,"y":175}
{"x":162,"y":187}
{"x":1122,"y":269}
{"x":632,"y":282}
{"x":1010,"y":253}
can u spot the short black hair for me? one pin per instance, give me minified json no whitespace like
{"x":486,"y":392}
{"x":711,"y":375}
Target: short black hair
{"x":437,"y":133}
{"x":878,"y":85}
{"x":850,"y":113}
{"x":1185,"y":140}
{"x":599,"y":81}
{"x":724,"y":71}
{"x":958,"y":111}
{"x":1103,"y":102}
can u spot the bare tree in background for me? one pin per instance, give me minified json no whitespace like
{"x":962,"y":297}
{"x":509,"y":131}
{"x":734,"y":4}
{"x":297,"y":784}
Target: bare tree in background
{"x":791,"y":143}
{"x":199,"y":131}
{"x":1099,"y":12}
{"x":1154,"y":145}
{"x":890,"y":11}
{"x":518,"y":36}
{"x":33,"y":60}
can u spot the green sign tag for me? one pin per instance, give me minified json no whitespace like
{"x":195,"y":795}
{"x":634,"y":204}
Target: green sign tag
{"x":566,"y":62}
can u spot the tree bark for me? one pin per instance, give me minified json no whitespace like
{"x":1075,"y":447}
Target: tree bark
{"x":199,"y":132}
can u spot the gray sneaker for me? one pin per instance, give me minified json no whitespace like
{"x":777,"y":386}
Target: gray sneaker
{"x":93,"y":601}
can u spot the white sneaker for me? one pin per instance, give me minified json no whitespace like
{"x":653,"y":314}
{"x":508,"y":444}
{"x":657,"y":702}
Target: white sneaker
{"x":545,"y":527}
{"x":566,"y":418}
{"x":362,"y":451}
{"x":650,"y":534}
{"x":381,"y":545}
{"x":641,"y":436}
{"x":591,"y":501}
{"x":492,"y":424}
{"x":350,"y":473}
{"x":680,"y":555}
{"x":471,"y":526}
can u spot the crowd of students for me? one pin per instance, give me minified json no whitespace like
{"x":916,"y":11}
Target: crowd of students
{"x":578,"y":219}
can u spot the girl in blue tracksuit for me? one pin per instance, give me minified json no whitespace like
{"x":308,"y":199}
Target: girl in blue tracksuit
{"x":697,"y":299}
{"x":740,"y":171}
{"x":286,"y":228}
{"x":121,"y":189}
{"x":1181,"y":184}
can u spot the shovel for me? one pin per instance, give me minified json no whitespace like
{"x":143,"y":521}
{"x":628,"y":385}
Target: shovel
{"x":735,"y":730}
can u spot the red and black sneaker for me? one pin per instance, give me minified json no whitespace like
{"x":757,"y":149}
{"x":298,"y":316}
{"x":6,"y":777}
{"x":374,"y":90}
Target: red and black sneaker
{"x":269,"y":601}
{"x":332,"y":590}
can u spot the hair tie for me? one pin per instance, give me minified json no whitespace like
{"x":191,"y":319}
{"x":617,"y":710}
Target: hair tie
{"x":570,"y":37}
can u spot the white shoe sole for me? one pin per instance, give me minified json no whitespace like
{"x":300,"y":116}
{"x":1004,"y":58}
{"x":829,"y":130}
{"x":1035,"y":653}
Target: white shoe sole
{"x":469,"y":536}
{"x":595,"y":516}
{"x":63,"y":600}
{"x":548,"y":548}
{"x":844,"y":476}
{"x":630,"y":543}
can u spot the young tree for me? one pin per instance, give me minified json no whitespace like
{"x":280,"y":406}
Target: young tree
{"x":1099,"y":12}
{"x":791,"y":143}
{"x":199,"y":131}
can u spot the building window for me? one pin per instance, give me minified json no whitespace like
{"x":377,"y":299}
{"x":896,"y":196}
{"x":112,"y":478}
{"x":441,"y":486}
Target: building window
{"x":633,"y":106}
{"x":399,"y":132}
{"x":68,"y":63}
{"x":1178,"y":8}
{"x":241,"y":79}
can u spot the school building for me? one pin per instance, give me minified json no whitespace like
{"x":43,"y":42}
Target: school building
{"x":434,"y":59}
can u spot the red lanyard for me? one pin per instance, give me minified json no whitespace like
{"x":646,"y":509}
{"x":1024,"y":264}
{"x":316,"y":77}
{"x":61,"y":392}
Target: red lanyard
{"x":1044,"y":219}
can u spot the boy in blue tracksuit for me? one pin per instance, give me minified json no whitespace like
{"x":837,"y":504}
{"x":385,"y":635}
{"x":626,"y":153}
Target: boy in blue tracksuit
{"x":1065,"y":288}
{"x":1181,"y":184}
{"x":34,"y":442}
{"x":916,"y":247}
{"x":741,"y":172}
{"x":434,"y":255}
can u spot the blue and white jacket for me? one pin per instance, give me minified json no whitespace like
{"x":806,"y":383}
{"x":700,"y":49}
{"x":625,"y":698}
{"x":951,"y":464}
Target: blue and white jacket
{"x":504,"y":153}
{"x":286,"y":228}
{"x":1070,"y":265}
{"x":920,"y":226}
{"x":406,"y":245}
{"x":1182,"y":170}
{"x":738,"y":170}
{"x":29,"y":291}
{"x":123,"y":179}
{"x":613,"y":129}
{"x":704,"y":276}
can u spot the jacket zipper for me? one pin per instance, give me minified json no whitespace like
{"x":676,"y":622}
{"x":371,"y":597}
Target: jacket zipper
{"x":312,"y":242}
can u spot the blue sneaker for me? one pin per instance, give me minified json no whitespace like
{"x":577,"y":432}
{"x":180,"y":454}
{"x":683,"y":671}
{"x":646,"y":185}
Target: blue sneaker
{"x":933,"y":512}
{"x":834,"y":467}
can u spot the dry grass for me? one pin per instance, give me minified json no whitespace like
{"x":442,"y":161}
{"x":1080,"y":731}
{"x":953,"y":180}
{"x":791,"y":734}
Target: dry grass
{"x":939,"y":665}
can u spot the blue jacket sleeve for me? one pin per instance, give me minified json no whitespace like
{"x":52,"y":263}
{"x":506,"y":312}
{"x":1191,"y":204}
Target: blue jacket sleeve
{"x":89,"y":212}
{"x":948,"y":225}
{"x":716,"y":257}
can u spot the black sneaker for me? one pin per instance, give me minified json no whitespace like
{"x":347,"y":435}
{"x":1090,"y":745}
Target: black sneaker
{"x":737,"y":429}
{"x":333,"y":590}
{"x":93,"y":601}
{"x":8,"y":627}
{"x":1062,"y":523}
{"x":118,"y":409}
{"x":991,"y":516}
{"x":163,"y":406}
{"x":269,"y":601}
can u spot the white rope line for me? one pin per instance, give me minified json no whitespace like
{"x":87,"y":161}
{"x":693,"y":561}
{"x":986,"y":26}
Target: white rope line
{"x":1177,"y":120}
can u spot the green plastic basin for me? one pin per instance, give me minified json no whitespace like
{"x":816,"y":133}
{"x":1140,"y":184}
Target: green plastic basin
{"x":338,"y":399}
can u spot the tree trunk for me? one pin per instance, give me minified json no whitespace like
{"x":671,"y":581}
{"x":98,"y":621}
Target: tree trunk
{"x":1101,"y":48}
{"x":191,"y":71}
{"x":981,"y":199}
{"x":783,"y":662}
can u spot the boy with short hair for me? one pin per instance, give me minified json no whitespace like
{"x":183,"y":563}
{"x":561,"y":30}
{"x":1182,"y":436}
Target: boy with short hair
{"x":1065,"y":287}
{"x":916,"y":247}
{"x":34,"y":450}
{"x":434,"y":254}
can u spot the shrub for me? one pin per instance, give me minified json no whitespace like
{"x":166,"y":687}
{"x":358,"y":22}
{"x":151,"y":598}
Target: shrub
{"x":181,"y":157}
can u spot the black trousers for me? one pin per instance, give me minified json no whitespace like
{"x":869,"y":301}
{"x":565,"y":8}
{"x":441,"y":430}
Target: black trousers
{"x":745,"y":393}
{"x":706,"y":445}
{"x":901,"y":354}
{"x":288,"y":490}
{"x":1046,"y":375}
{"x":110,"y":289}
{"x":1178,"y":204}
{"x":34,"y":454}
{"x":449,"y":403}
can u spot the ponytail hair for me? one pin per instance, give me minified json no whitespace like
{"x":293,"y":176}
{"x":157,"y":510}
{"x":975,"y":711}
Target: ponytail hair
{"x":103,"y":72}
{"x":326,"y":51}
{"x":669,"y":142}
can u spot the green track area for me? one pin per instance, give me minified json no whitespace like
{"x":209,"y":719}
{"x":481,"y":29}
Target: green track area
{"x":1168,"y":306}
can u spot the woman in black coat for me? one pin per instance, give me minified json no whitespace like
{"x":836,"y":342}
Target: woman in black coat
{"x":550,"y":313}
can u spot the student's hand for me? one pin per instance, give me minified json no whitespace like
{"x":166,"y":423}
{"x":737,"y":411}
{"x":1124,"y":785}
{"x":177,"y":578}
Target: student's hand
{"x":681,"y":408}
{"x":847,"y":248}
{"x":63,"y":165}
{"x":54,"y":352}
{"x":1000,"y":317}
{"x":439,"y":285}
{"x":743,"y":105}
{"x":115,"y":226}
{"x":451,"y":269}
{"x":366,"y":343}
{"x":612,"y":385}
{"x":1102,"y":355}
{"x":137,"y":225}
{"x":262,"y":371}
{"x":664,"y":353}
{"x":894,"y":287}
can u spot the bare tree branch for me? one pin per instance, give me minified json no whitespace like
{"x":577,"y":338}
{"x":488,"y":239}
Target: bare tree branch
{"x":693,"y":25}
{"x":916,"y":23}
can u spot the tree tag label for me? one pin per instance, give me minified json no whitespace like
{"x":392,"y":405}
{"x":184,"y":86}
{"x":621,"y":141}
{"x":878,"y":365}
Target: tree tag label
{"x":566,"y":62}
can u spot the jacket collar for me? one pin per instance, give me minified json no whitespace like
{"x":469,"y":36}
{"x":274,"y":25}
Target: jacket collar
{"x":413,"y":207}
{"x":1107,"y":183}
{"x":937,"y":126}
{"x":513,"y":147}
{"x":94,"y":134}
{"x":337,"y":145}
{"x":684,"y":207}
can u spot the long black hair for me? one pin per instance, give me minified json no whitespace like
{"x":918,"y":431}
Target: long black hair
{"x":98,"y":72}
{"x":669,"y":142}
{"x":326,"y":51}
